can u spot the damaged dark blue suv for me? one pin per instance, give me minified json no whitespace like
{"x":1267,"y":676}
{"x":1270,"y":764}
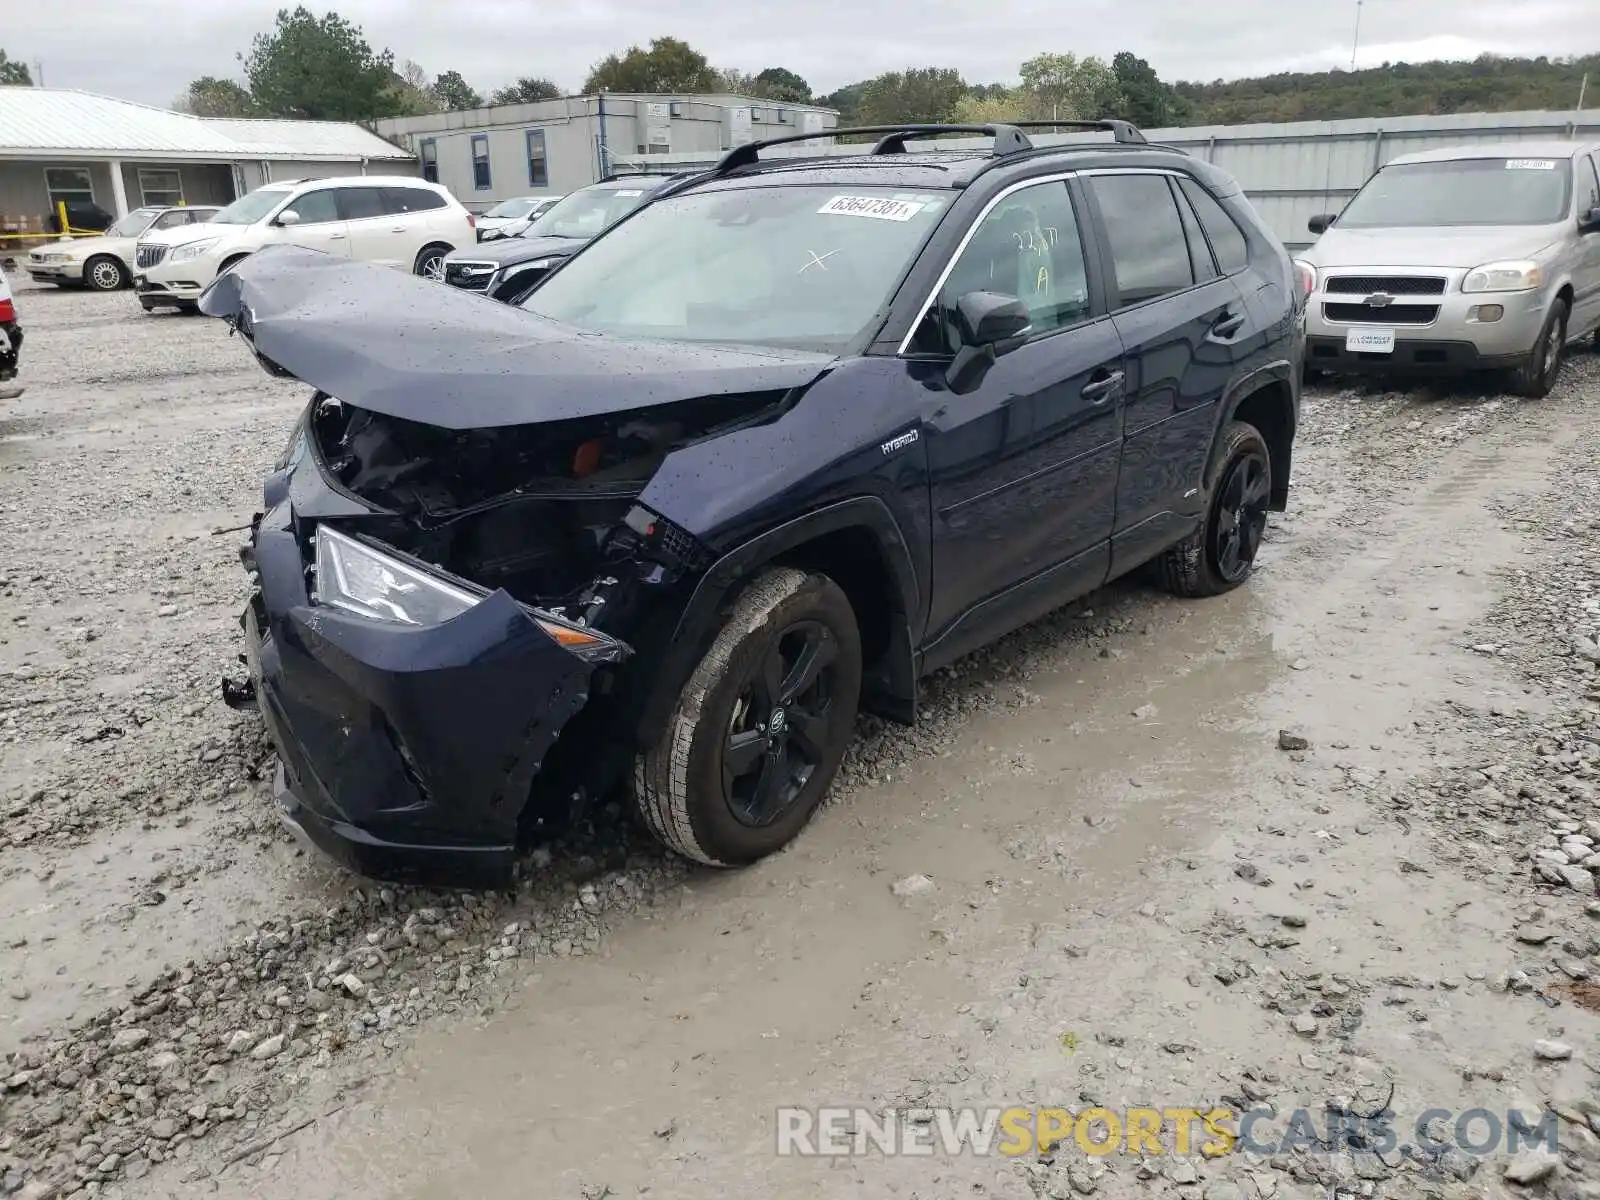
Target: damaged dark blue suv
{"x":787,"y":438}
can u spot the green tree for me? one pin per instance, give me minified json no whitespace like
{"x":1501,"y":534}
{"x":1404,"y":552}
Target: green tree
{"x":847,"y":101}
{"x":210,"y":96}
{"x":1066,"y":87}
{"x":1488,"y":83}
{"x":989,"y":107}
{"x":526,"y":90}
{"x":320,"y":68}
{"x":14,"y":72}
{"x":410,"y":93}
{"x":669,"y":65}
{"x":1146,"y":101}
{"x":736,"y":82}
{"x":454,"y":93}
{"x":780,"y":83}
{"x":923,"y":94}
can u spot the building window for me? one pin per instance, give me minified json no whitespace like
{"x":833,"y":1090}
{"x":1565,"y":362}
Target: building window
{"x":428,"y":152}
{"x":70,"y":185}
{"x":538,"y":171}
{"x":755,"y":114}
{"x":163,"y":188}
{"x":481,"y":178}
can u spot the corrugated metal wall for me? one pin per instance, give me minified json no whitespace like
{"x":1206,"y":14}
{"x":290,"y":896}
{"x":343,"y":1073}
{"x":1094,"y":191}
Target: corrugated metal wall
{"x":1292,"y":172}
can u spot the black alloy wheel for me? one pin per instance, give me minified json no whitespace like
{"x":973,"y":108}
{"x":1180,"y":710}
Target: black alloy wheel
{"x":1241,"y":515}
{"x":780,"y":731}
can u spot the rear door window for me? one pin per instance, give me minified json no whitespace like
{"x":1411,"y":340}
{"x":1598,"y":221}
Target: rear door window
{"x":1144,"y":232}
{"x":360,"y":203}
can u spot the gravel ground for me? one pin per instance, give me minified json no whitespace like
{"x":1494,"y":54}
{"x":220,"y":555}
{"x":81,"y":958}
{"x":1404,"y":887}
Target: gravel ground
{"x":1394,"y":895}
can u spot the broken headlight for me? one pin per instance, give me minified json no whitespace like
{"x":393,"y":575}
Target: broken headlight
{"x":360,"y":580}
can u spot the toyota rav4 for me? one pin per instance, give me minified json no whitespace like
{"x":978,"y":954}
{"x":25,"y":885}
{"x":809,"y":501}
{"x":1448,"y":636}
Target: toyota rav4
{"x":783,"y":440}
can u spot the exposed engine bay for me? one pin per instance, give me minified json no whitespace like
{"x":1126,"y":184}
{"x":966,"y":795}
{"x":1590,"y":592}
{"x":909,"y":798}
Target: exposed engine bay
{"x":539,"y":510}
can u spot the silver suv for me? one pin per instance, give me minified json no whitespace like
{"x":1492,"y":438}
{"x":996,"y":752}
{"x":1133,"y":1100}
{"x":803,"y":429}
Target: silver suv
{"x":1457,"y":259}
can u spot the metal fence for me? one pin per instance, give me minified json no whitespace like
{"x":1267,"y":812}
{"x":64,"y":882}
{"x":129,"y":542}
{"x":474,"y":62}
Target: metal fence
{"x":1291,"y":172}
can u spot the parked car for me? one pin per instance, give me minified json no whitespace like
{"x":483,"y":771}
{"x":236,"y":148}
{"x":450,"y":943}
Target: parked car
{"x":508,"y":268}
{"x":1458,"y":259}
{"x":105,"y":263}
{"x":394,"y":221}
{"x":782,"y":441}
{"x":10,"y":342}
{"x":511,"y":217}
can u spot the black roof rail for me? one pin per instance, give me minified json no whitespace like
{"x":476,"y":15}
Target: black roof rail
{"x":1008,"y":139}
{"x":1120,"y":131}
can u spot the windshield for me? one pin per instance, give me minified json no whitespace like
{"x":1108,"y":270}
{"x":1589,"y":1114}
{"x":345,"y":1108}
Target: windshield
{"x":586,"y":214}
{"x":512,"y":209}
{"x":134,"y":223}
{"x":247,"y":210}
{"x":802,"y":267}
{"x":1464,"y":191}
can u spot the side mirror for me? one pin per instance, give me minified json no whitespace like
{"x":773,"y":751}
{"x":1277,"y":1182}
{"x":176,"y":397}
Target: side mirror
{"x":288,"y":217}
{"x":1319,"y":224}
{"x":989,"y":324}
{"x":1589,"y":222}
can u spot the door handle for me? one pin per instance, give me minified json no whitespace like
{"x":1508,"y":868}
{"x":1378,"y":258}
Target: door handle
{"x":336,"y":237}
{"x":1101,"y":388}
{"x":397,"y":229}
{"x":1225,"y":326}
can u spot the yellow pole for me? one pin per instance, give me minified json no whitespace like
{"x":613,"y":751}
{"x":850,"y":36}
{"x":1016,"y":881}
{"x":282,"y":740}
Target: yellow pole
{"x":61,"y":213}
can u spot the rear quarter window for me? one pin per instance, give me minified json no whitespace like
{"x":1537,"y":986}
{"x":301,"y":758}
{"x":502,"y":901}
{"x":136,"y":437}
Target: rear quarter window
{"x":1227,"y":240}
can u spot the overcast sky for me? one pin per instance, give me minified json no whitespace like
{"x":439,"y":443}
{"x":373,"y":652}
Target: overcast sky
{"x":148,"y":50}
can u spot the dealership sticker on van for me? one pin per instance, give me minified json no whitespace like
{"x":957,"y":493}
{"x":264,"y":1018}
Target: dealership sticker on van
{"x":1370,"y":341}
{"x":1530,"y":164}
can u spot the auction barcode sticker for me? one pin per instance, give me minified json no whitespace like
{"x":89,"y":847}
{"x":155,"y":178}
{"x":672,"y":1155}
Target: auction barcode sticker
{"x":1530,"y":164}
{"x":871,"y":206}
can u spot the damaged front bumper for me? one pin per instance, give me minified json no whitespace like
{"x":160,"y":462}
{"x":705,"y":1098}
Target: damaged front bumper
{"x":407,"y":753}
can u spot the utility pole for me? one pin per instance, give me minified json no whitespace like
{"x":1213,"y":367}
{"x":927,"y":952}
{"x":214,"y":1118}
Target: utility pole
{"x":1583,"y":86}
{"x":38,"y":72}
{"x":1355,"y":41}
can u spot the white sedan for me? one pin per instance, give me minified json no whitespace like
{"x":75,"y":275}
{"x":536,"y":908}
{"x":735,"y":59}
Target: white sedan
{"x":105,"y":263}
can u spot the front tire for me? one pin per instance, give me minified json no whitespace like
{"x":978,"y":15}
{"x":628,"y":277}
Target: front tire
{"x":760,"y":728}
{"x":104,"y":274}
{"x":1221,"y":554}
{"x":430,"y":262}
{"x":1540,"y":370}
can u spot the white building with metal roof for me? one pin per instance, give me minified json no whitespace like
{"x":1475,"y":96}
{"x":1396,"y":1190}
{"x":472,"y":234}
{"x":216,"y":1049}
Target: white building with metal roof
{"x":61,"y":145}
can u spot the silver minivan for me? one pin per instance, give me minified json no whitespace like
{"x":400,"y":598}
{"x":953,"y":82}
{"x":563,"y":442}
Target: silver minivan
{"x":1459,"y":259}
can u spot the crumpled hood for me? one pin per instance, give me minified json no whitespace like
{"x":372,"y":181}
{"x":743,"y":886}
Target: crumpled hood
{"x":1459,"y":246}
{"x":507,"y":251}
{"x":412,"y":348}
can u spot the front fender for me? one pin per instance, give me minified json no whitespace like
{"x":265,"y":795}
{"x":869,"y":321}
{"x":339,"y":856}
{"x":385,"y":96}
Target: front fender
{"x":701,"y":618}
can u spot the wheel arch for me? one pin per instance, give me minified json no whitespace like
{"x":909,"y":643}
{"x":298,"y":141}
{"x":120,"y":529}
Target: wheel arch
{"x":855,"y":542}
{"x":1268,"y":399}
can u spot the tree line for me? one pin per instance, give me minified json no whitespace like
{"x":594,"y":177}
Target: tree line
{"x":323,"y":68}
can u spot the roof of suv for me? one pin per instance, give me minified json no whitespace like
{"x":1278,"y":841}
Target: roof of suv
{"x":890,"y":164}
{"x":1529,"y":149}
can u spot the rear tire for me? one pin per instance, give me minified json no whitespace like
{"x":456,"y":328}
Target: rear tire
{"x":430,"y":262}
{"x":1221,"y":554}
{"x":760,"y":728}
{"x":103,"y":273}
{"x":1540,"y":370}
